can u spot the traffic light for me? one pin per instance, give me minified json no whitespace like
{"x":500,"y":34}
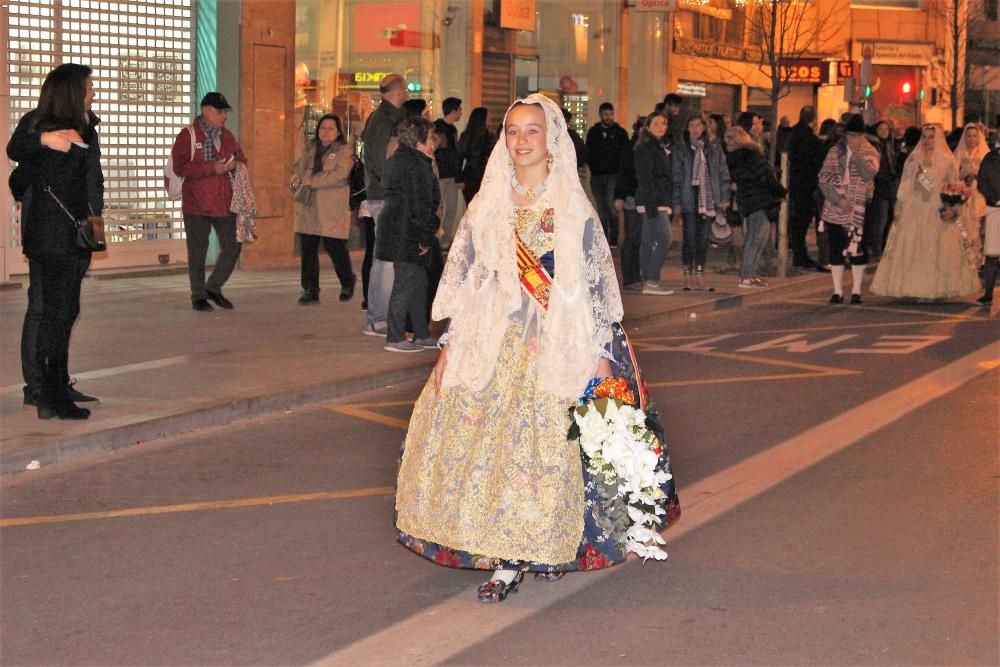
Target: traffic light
{"x":906,"y":92}
{"x":868,"y":91}
{"x":414,"y":87}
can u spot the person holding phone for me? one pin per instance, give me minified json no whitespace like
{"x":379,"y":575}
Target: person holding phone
{"x":206,"y":199}
{"x":55,"y":146}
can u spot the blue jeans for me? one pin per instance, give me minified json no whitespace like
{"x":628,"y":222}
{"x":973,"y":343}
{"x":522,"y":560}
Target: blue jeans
{"x":655,"y":243}
{"x":381,"y":278}
{"x":756,"y":230}
{"x":695,"y":249}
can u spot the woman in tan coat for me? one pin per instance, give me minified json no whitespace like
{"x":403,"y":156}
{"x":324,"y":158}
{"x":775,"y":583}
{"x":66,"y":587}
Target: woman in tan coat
{"x":319,"y":179}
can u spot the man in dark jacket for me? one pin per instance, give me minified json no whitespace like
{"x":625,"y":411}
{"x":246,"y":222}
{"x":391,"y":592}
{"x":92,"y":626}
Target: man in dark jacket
{"x":605,"y":142}
{"x":207,"y":196}
{"x":405,"y":235}
{"x":805,"y":157}
{"x":375,"y":138}
{"x":449,"y":163}
{"x":989,"y":185}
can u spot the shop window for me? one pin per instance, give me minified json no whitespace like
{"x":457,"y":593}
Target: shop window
{"x":143,"y":94}
{"x":888,"y":4}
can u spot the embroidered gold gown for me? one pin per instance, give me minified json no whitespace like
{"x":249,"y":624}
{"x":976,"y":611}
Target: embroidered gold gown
{"x":488,"y":477}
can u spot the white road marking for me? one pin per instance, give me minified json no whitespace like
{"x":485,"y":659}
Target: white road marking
{"x":461,"y":622}
{"x":114,"y":370}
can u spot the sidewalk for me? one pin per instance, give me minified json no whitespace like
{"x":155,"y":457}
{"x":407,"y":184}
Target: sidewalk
{"x":161,"y":368}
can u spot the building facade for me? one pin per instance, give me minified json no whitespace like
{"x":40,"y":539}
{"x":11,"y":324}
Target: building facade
{"x":284,"y":63}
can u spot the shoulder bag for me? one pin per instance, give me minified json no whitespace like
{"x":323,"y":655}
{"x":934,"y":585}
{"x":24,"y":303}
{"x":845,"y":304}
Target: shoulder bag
{"x":89,"y":230}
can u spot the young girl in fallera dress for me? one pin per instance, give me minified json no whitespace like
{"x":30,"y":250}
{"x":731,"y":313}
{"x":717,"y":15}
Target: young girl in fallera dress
{"x":488,"y":478}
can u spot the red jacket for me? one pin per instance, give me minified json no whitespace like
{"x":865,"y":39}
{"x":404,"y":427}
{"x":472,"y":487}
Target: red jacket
{"x":205,"y":192}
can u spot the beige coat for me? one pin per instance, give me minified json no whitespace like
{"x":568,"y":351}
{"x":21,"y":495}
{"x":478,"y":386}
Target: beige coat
{"x":329,"y":215}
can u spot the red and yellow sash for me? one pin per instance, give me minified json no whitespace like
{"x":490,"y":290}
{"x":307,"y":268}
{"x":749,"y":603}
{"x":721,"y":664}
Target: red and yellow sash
{"x":535,"y":280}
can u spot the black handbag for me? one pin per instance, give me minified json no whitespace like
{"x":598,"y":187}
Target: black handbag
{"x":89,"y":230}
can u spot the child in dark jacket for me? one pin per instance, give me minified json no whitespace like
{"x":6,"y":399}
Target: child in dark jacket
{"x":406,"y":232}
{"x":757,"y":191}
{"x":654,"y":200}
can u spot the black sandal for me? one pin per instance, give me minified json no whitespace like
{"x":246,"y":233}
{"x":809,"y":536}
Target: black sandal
{"x":549,"y":576}
{"x":495,"y":590}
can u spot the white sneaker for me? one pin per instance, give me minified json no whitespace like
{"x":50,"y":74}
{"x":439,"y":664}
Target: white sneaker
{"x":403,"y":346}
{"x":655,"y":289}
{"x":377,"y":329}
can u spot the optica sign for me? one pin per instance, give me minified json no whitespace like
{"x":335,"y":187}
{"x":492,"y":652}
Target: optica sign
{"x":655,"y":5}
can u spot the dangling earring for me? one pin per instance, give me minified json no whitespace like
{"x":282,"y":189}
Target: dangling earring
{"x":510,"y":163}
{"x":549,"y":159}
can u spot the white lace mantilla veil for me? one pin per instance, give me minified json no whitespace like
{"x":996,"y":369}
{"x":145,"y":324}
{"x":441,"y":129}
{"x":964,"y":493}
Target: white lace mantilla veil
{"x":941,"y":167}
{"x":972,"y":157}
{"x":480,"y":287}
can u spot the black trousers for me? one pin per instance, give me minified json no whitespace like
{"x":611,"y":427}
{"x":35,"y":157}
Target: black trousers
{"x":801,"y":211}
{"x":368,"y":234}
{"x":32,"y":365}
{"x":630,"y":248}
{"x":839,"y":240}
{"x":197,"y":229}
{"x":60,"y":281}
{"x":336,"y":249}
{"x":408,"y":299}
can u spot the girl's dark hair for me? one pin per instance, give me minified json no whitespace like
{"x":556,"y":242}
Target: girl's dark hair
{"x":62,"y":102}
{"x":720,"y":125}
{"x":414,"y":107}
{"x":826,"y":127}
{"x":644,"y":134}
{"x":476,"y":127}
{"x":336,"y":121}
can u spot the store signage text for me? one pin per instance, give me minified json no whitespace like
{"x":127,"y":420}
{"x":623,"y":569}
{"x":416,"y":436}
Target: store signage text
{"x":894,"y":53}
{"x":655,"y":5}
{"x":368,"y":79}
{"x":691,"y":89}
{"x":803,"y":71}
{"x":704,"y":49}
{"x":517,"y":14}
{"x":845,"y":69}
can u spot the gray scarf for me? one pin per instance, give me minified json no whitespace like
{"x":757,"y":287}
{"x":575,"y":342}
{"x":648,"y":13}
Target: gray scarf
{"x":700,"y":179}
{"x":214,"y":143}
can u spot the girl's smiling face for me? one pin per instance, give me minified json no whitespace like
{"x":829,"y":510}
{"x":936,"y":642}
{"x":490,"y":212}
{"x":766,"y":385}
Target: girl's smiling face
{"x":524,"y":132}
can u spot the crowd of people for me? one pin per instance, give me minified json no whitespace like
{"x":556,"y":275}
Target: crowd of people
{"x":921,"y":203}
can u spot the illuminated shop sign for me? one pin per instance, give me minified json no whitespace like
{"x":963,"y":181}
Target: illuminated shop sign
{"x":368,"y":80}
{"x":804,"y":71}
{"x":517,"y":14}
{"x":691,"y":89}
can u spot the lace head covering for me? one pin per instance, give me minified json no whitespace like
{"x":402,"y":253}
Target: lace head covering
{"x":480,"y":288}
{"x":942,"y":168}
{"x":969,"y":159}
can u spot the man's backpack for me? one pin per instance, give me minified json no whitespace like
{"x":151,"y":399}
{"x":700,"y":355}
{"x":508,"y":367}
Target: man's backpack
{"x":173,"y":183}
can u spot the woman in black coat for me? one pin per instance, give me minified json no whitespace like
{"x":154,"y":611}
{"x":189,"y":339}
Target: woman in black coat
{"x":757,"y":192}
{"x":654,"y":200}
{"x":474,"y":146}
{"x":51,"y":150}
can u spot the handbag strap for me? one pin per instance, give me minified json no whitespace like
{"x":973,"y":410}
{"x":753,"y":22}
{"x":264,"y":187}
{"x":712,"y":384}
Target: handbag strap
{"x":72,"y":218}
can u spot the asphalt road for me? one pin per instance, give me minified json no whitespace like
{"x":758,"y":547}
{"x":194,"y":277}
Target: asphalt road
{"x":837,"y":467}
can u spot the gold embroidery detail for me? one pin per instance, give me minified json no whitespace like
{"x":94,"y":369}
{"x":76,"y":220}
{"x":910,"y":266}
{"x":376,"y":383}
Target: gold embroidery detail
{"x":490,"y":472}
{"x":528,"y":225}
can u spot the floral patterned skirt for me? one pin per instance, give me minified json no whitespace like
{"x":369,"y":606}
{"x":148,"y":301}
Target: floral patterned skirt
{"x":488,"y":478}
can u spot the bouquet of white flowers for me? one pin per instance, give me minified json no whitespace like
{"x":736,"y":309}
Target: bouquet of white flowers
{"x":623,"y":456}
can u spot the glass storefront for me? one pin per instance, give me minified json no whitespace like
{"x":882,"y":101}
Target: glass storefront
{"x":574,"y":55}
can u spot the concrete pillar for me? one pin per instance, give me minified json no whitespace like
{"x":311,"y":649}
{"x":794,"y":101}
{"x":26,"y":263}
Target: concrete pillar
{"x":267,"y":98}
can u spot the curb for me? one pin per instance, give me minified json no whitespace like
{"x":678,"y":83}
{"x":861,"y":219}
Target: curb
{"x":220,"y":414}
{"x":229,"y":411}
{"x":763,"y":295}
